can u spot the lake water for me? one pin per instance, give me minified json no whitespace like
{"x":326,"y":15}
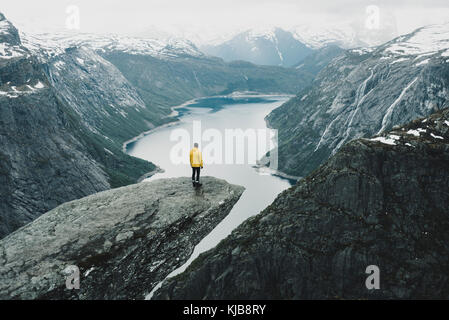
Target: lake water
{"x":244,"y":112}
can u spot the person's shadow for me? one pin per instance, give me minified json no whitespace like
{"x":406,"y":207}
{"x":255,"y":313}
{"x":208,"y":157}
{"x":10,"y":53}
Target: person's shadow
{"x":198,"y":190}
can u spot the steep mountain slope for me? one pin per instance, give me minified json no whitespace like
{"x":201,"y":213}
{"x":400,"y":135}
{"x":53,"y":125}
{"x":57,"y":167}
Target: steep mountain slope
{"x":124,"y":241}
{"x":319,"y":59}
{"x":361,"y":93}
{"x":48,"y":156}
{"x":380,"y":201}
{"x":266,"y":47}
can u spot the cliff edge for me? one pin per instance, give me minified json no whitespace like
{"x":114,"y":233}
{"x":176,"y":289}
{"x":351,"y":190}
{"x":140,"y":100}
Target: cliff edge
{"x":124,"y":241}
{"x":382,"y":201}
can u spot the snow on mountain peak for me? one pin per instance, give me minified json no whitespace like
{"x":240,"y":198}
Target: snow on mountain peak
{"x":55,"y":44}
{"x":318,"y":37}
{"x":266,"y":33}
{"x":424,"y":41}
{"x":10,"y":45}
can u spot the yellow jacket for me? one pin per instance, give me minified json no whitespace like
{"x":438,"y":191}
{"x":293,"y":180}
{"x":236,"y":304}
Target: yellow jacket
{"x":196,"y":158}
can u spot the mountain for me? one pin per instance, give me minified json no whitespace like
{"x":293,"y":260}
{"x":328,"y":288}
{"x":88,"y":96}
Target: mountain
{"x":380,"y":201}
{"x":168,"y":73}
{"x":70,"y":101}
{"x":275,"y":47}
{"x":343,"y":36}
{"x":348,"y":34}
{"x":124,"y":241}
{"x":48,"y":156}
{"x":319,"y":59}
{"x":363,"y":92}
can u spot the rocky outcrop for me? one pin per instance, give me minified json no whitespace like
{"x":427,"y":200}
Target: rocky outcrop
{"x":361,"y":93}
{"x":124,"y":240}
{"x":380,"y":201}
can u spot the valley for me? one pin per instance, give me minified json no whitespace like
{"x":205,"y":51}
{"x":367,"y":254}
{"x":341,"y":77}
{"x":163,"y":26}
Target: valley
{"x":100,"y":92}
{"x":245,"y":112}
{"x":325,"y":152}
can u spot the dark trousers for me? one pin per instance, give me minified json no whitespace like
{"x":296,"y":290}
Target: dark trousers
{"x":196,"y":171}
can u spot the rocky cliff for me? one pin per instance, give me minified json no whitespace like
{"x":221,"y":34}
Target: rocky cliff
{"x":124,"y":241}
{"x":49,"y":154}
{"x":362,"y":93}
{"x":381,"y":201}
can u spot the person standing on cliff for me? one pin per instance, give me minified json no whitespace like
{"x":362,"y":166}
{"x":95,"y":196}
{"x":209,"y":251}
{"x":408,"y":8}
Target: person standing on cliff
{"x":196,"y":162}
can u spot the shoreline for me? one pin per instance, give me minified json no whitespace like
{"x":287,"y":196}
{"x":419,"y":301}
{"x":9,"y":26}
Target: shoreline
{"x":145,"y":133}
{"x":238,"y":94}
{"x":264,"y":169}
{"x":175,"y":113}
{"x":262,"y":163}
{"x":150,"y":174}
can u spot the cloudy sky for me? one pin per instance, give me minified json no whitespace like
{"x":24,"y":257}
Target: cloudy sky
{"x":208,"y":18}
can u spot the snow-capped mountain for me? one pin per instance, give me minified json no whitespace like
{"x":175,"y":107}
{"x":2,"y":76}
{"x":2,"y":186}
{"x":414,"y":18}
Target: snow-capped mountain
{"x":346,"y":35}
{"x":361,"y":93}
{"x":318,"y":37}
{"x":10,"y":45}
{"x":55,"y":44}
{"x":272,"y":46}
{"x":427,"y":41}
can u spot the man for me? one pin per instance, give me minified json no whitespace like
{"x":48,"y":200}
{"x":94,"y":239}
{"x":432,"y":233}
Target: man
{"x":196,"y":162}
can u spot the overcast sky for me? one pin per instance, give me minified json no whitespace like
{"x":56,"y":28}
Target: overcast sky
{"x":211,"y":17}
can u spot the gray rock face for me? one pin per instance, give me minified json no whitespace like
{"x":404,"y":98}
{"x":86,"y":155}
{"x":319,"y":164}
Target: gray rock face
{"x":8,"y":33}
{"x":361,"y":93}
{"x":48,"y":154}
{"x":319,"y":59}
{"x":42,"y":161}
{"x":380,"y":201}
{"x":124,"y":240}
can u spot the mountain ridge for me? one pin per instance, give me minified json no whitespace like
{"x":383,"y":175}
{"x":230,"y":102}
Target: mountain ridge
{"x":360,"y":93}
{"x":267,"y":47}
